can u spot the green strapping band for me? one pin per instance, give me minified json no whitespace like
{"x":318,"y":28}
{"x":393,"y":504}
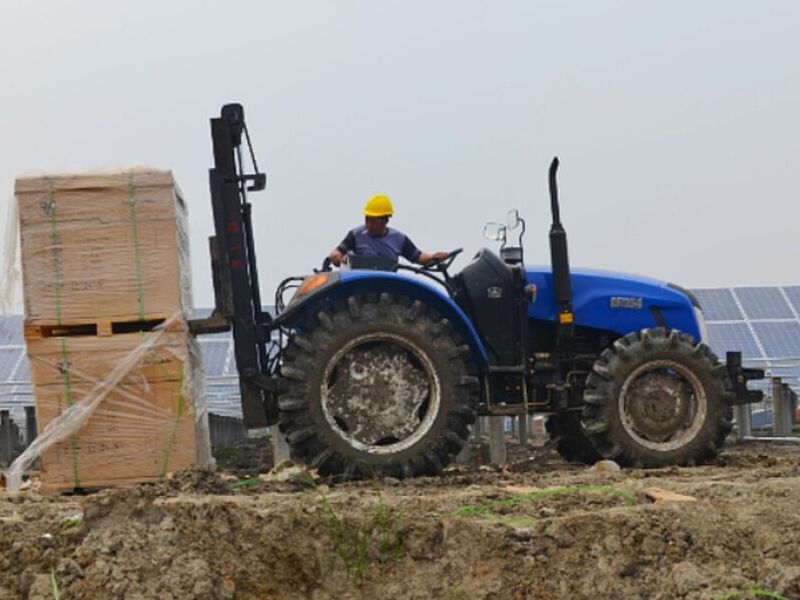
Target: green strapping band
{"x":68,"y":388}
{"x":136,"y":253}
{"x":179,"y":410}
{"x":55,"y":244}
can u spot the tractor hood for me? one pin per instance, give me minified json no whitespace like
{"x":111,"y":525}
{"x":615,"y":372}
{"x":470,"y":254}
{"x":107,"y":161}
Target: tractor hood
{"x":617,"y":302}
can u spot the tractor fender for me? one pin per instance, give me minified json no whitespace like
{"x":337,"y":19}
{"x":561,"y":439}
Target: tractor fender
{"x":343,"y":284}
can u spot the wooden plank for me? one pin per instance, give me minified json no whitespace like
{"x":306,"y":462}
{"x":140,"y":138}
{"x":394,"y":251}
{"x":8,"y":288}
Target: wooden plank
{"x":657,"y":494}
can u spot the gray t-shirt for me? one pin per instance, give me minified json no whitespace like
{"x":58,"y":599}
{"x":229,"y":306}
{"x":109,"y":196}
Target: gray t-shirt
{"x":391,"y":244}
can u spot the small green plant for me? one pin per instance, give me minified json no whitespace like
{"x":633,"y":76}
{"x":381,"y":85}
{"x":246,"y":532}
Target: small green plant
{"x":755,"y":591}
{"x":71,"y":522}
{"x":380,"y":536}
{"x":54,"y":585}
{"x":245,"y":483}
{"x":487,"y":509}
{"x":457,"y":591}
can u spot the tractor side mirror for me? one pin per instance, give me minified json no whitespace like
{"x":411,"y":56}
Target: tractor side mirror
{"x":495,"y":232}
{"x":512,"y":219}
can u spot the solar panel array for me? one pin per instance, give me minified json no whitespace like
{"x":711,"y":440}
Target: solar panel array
{"x":761,"y":322}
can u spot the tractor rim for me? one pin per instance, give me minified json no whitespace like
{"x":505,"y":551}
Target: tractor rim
{"x":380,"y":393}
{"x":663,"y":405}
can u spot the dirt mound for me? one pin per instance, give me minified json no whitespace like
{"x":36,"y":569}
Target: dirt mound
{"x":546,"y":532}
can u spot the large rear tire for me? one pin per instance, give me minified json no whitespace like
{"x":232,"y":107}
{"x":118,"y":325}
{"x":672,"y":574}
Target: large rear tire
{"x":656,"y":398}
{"x":377,"y":386}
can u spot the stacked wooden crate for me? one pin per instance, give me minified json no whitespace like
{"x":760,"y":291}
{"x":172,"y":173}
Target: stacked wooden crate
{"x":105,"y":261}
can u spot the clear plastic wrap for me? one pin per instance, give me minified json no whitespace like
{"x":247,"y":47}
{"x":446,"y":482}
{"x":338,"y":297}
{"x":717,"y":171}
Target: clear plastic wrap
{"x":108,"y":416}
{"x":105,"y":259}
{"x":9,"y":270}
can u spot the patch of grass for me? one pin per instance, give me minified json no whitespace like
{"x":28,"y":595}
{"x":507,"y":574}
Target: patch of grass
{"x":457,"y":591}
{"x":54,"y":585}
{"x":357,"y":544}
{"x":754,"y":590}
{"x":511,"y":521}
{"x":486,"y":509}
{"x":244,"y":483}
{"x":70,"y":522}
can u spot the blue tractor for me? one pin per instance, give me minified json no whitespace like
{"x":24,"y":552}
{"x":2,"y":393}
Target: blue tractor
{"x":381,"y":369}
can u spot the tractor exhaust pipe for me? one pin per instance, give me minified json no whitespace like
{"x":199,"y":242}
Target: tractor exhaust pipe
{"x":562,"y":285}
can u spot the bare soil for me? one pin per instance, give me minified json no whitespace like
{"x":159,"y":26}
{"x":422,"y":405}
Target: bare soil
{"x":538,"y":528}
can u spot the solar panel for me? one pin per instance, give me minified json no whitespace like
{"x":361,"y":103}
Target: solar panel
{"x":726,"y":337}
{"x":786,"y":373}
{"x":223,"y":399}
{"x":779,"y":340}
{"x":9,"y":357}
{"x":763,"y":303}
{"x":11,"y":330}
{"x":214,"y":354}
{"x":761,"y":419}
{"x":793,"y":293}
{"x":23,"y":372}
{"x":231,"y":370}
{"x":718,"y":305}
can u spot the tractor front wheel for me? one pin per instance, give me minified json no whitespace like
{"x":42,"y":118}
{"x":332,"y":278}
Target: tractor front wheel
{"x":656,"y":398}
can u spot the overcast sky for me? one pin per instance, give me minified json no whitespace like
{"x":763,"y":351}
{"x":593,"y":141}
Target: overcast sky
{"x":677,"y":124}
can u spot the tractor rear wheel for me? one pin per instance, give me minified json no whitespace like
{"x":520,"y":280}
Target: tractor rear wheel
{"x":377,"y":386}
{"x":656,"y":398}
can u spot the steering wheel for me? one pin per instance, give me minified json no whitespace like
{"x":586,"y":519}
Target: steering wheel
{"x":444,"y":263}
{"x":326,"y":266}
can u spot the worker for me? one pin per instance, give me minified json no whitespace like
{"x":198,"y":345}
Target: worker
{"x":376,"y":238}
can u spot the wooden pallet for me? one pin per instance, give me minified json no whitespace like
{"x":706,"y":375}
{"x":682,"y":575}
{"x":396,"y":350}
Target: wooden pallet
{"x":93,"y":327}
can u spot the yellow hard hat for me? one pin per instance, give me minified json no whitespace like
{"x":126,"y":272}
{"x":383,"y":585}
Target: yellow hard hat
{"x":378,"y":206}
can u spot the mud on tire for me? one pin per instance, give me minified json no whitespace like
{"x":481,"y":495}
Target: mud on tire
{"x":656,"y":398}
{"x":377,"y":386}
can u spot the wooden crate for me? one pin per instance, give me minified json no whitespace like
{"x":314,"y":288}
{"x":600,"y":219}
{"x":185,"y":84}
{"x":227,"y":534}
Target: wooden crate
{"x":151,"y":423}
{"x":100,"y":246}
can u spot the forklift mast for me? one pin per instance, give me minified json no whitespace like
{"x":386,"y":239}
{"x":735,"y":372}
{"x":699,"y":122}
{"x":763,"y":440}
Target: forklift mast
{"x":233,"y":261}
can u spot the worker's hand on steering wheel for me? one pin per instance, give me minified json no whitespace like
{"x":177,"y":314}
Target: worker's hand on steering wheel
{"x":326,"y":265}
{"x":336,"y":257}
{"x":441,"y":261}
